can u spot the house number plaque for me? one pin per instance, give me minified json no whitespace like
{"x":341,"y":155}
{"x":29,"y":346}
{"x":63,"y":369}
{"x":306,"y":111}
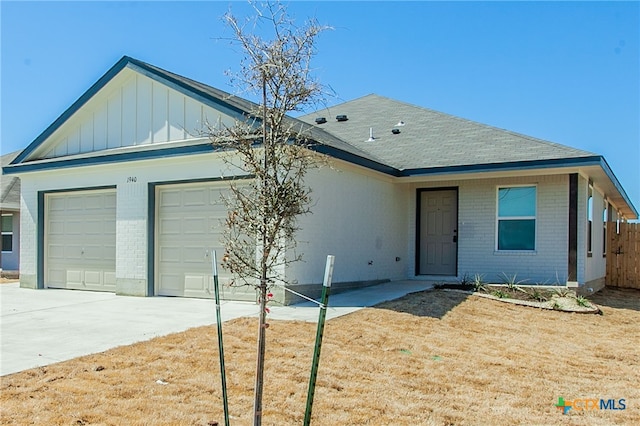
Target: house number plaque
{"x":132,"y":179}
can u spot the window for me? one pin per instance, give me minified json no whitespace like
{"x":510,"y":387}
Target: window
{"x":516,"y":227}
{"x":7,"y":232}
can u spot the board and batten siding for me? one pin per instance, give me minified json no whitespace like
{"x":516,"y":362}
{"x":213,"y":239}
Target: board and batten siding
{"x":477,"y":252}
{"x":140,"y":111}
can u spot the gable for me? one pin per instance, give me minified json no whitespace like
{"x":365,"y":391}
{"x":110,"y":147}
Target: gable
{"x":131,"y":109}
{"x":137,"y":110}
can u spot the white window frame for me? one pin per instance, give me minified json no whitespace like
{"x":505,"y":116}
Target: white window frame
{"x":3,"y":233}
{"x":590,"y":207}
{"x":499,"y":218}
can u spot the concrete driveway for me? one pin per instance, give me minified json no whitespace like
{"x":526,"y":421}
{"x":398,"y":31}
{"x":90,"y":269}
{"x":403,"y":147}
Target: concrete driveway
{"x":41,"y":327}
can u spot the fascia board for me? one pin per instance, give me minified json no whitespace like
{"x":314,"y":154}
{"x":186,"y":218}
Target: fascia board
{"x":109,"y":159}
{"x":612,"y":177}
{"x":510,"y":166}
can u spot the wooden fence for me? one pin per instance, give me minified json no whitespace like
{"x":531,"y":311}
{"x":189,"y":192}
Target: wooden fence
{"x":623,"y":255}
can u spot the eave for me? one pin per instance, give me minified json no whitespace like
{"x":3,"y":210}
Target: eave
{"x":594,"y":168}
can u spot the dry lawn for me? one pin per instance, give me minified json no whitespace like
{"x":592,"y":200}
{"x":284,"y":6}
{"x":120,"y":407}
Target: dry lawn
{"x":431,"y":358}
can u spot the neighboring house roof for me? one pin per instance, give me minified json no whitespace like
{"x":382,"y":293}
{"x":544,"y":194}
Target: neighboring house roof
{"x":9,"y":185}
{"x":429,"y":142}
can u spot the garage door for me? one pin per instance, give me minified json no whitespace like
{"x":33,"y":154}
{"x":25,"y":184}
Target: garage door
{"x":190,"y":220}
{"x":80,"y":240}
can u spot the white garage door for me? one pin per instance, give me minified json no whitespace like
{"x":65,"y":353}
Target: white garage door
{"x":190,"y":220}
{"x":80,"y":240}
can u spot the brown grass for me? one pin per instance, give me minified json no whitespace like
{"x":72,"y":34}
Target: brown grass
{"x":431,"y":358}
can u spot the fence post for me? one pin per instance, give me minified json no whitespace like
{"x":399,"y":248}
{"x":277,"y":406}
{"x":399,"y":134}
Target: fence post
{"x":328,"y":274}
{"x":216,"y":290}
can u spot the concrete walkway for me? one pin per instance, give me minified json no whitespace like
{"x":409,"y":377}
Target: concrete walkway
{"x":41,"y":327}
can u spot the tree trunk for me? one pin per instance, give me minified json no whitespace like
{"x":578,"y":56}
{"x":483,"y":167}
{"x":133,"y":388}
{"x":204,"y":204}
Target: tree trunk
{"x":262,"y":323}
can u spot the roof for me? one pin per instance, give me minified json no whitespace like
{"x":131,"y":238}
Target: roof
{"x":9,"y":185}
{"x":209,"y":95}
{"x":426,"y":142}
{"x":432,"y":139}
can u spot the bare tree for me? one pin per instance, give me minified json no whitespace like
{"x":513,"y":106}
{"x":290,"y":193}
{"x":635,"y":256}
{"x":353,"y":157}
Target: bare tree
{"x":274,"y":150}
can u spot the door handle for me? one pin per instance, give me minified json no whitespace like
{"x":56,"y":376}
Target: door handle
{"x":455,"y":238}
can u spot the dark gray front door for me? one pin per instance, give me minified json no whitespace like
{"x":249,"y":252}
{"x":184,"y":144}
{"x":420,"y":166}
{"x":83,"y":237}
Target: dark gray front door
{"x":438,"y":232}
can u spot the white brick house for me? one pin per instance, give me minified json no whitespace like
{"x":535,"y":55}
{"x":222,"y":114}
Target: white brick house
{"x":122,"y":194}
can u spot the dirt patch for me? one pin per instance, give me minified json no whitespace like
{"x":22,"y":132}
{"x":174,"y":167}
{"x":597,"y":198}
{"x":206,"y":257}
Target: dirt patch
{"x":429,"y":358}
{"x":559,"y":299}
{"x":9,"y":276}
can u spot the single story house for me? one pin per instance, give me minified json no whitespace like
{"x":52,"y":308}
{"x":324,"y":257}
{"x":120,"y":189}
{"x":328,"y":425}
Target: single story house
{"x":10,"y":214}
{"x":122,"y":194}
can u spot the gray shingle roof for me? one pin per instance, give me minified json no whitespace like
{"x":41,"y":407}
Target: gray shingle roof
{"x":430,"y":138}
{"x":9,"y":185}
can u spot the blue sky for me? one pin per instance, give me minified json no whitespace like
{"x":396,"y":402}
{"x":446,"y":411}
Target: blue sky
{"x":567,"y":72}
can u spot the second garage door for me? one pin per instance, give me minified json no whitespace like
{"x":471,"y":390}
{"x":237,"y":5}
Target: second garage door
{"x":190,"y":220}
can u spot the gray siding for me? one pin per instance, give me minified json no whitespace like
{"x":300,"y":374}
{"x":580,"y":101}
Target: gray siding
{"x":477,"y":252}
{"x":11,"y":259}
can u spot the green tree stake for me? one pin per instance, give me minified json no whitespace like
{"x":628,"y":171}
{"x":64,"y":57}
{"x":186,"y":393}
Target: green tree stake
{"x":328,"y":273}
{"x":216,"y":291}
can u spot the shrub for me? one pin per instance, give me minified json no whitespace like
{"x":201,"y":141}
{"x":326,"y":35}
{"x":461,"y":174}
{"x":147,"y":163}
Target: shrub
{"x":478,"y":282}
{"x":538,"y":295}
{"x":511,"y":281}
{"x":500,"y":294}
{"x":582,"y":301}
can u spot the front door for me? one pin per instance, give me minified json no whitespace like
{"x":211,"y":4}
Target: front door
{"x":437,"y":232}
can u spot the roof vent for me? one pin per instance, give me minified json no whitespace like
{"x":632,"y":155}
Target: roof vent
{"x":395,"y":131}
{"x":342,"y":117}
{"x":321,"y":120}
{"x":371,"y":138}
{"x":400,"y":123}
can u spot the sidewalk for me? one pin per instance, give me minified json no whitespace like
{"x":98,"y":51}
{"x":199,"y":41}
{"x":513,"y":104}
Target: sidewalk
{"x":41,"y":327}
